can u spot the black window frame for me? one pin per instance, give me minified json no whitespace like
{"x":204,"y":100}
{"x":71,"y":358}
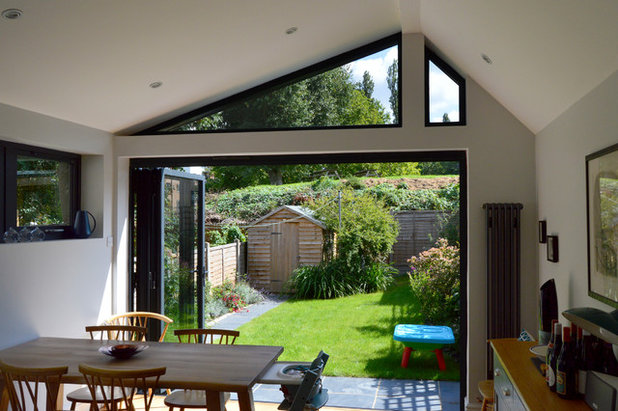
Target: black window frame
{"x":432,"y":57}
{"x":8,"y":186}
{"x":164,"y":127}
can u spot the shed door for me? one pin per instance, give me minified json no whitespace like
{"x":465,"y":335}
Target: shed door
{"x":284,"y":253}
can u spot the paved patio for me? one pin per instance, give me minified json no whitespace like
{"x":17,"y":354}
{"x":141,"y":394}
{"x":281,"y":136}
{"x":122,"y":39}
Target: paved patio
{"x":357,"y":393}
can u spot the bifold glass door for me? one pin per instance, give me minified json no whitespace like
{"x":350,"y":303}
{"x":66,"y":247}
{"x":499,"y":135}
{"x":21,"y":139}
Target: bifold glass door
{"x":168,"y":246}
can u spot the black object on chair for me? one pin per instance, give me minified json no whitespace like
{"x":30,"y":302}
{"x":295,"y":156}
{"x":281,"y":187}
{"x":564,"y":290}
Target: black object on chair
{"x":309,"y":395}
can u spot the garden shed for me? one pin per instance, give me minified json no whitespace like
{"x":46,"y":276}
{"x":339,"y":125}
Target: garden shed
{"x":279,"y":242}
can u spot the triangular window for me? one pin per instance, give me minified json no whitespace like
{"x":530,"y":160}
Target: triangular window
{"x":445,"y":93}
{"x":359,"y":88}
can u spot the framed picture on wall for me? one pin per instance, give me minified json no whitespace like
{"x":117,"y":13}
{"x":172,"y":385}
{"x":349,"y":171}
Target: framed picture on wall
{"x":602,"y":210}
{"x":542,"y":231}
{"x":552,"y":248}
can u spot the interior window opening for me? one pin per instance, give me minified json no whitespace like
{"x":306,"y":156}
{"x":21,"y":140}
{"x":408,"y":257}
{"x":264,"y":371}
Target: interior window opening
{"x":290,"y":226}
{"x":444,"y":93}
{"x":359,"y":88}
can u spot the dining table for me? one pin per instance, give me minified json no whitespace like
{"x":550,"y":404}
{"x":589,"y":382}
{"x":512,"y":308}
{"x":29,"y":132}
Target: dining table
{"x":213,"y":368}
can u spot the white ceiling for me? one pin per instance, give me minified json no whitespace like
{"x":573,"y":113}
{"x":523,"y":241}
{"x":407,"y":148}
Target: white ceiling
{"x":91,"y":61}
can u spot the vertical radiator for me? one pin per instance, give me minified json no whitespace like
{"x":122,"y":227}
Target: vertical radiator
{"x":503,"y":272}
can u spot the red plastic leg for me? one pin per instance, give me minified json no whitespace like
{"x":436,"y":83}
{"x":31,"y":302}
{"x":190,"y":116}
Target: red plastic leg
{"x":440,"y":357}
{"x":406,"y":356}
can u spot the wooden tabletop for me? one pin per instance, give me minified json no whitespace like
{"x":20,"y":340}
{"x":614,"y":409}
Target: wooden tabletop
{"x":515,"y":356}
{"x":211,"y":367}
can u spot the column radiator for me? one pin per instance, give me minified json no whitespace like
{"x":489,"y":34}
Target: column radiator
{"x":503,"y":272}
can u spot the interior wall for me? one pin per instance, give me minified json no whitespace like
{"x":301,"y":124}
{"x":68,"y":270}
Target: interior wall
{"x":501,"y":168}
{"x":55,"y":288}
{"x":561,"y":148}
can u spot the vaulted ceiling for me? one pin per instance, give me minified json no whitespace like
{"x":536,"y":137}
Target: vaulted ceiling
{"x":91,"y":61}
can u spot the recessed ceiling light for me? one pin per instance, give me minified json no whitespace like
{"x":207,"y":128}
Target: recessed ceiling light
{"x":291,"y":30}
{"x":486,"y":58}
{"x":155,"y":84}
{"x":12,"y":14}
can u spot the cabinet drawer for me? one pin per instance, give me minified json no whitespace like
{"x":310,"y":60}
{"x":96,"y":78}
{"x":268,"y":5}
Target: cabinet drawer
{"x":505,"y":396}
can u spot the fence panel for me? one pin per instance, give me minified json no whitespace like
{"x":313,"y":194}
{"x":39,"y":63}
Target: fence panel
{"x":418,"y":231}
{"x":224,"y":261}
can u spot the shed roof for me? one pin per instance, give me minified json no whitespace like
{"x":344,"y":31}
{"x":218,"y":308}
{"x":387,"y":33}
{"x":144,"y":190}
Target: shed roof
{"x":302,"y":212}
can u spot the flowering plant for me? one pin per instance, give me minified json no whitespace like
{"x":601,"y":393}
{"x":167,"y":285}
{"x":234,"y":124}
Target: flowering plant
{"x":234,"y":302}
{"x":434,"y":278}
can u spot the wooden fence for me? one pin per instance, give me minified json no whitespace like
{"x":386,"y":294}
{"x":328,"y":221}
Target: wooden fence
{"x":224,"y":261}
{"x":418,"y":231}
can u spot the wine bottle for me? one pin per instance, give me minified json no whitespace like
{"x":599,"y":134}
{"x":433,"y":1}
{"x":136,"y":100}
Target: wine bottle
{"x":575,"y":341}
{"x":550,"y":349}
{"x":551,"y":371}
{"x":566,"y":368}
{"x":584,"y":361}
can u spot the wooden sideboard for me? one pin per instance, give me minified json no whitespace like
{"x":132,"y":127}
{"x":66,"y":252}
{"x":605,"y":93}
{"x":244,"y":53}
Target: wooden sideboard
{"x":518,"y":384}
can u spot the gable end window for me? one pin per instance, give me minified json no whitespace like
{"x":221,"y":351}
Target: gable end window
{"x":445,"y":93}
{"x":359,"y":88}
{"x":39,"y":193}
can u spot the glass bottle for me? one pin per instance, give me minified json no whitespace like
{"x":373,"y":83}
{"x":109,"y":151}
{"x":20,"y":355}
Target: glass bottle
{"x":566,"y":368}
{"x":583,"y":361}
{"x":550,"y":349}
{"x":551,"y":370}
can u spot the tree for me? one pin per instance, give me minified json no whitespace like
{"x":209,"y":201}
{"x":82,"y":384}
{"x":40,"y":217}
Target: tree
{"x":438,"y":167}
{"x":392,"y":79}
{"x":366,"y":85}
{"x":327,"y":99}
{"x":362,"y":110}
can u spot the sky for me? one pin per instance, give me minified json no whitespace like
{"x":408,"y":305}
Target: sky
{"x":443,"y":93}
{"x":377,"y":65}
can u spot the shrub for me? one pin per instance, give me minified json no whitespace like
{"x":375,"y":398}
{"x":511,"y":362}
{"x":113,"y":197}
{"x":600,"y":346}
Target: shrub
{"x":376,"y":277}
{"x":434,"y":279}
{"x":355,"y":183}
{"x":227,"y":235}
{"x":325,"y":184}
{"x":339,"y":278}
{"x":216,"y":308}
{"x":322,"y":281}
{"x":253,"y":202}
{"x":249,"y":294}
{"x":367,"y":231}
{"x":235,"y":296}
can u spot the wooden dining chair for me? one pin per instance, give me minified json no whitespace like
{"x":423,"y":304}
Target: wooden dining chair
{"x":108,"y":333}
{"x":117,"y":332}
{"x":23,"y":386}
{"x":140,"y":319}
{"x":194,"y":398}
{"x":207,"y":336}
{"x":125,"y":382}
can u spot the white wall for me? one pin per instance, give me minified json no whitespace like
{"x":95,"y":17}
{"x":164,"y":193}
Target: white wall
{"x":501,"y":169}
{"x":561,"y":148}
{"x":55,"y":288}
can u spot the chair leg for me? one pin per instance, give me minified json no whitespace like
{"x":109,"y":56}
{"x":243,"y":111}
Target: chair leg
{"x":440,"y":357}
{"x":406,"y":357}
{"x":73,"y":404}
{"x":484,"y":405}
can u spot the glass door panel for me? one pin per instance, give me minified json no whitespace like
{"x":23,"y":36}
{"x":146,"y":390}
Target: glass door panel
{"x":182,"y":243}
{"x":168,"y":247}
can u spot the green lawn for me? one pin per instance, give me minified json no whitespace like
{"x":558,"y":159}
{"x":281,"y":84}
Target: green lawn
{"x":356,"y":331}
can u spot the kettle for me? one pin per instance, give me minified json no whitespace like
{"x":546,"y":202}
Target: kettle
{"x":81,"y":226}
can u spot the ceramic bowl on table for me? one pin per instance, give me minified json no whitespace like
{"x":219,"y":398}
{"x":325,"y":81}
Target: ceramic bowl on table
{"x":122,"y":351}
